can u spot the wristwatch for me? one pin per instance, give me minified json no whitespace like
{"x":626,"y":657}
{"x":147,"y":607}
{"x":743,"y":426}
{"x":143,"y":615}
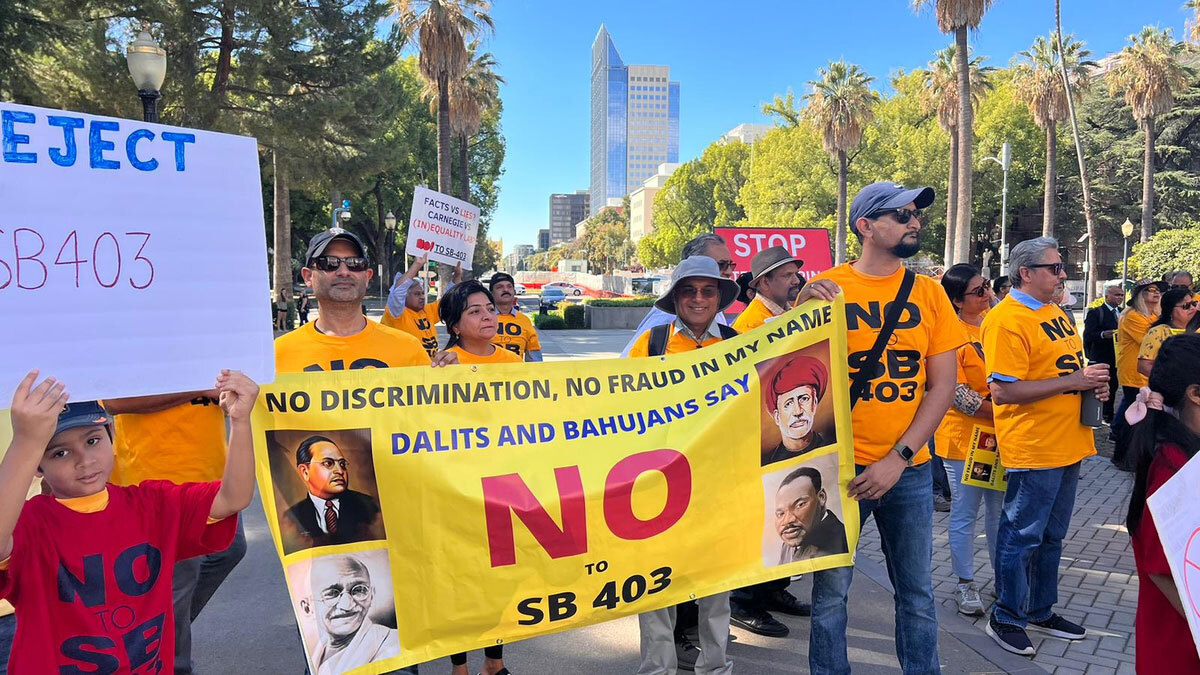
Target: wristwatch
{"x":906,"y":453}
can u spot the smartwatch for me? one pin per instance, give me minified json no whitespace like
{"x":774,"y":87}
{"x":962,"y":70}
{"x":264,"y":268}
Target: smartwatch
{"x":906,"y":453}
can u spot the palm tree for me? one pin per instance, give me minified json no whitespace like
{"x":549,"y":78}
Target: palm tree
{"x":473,"y":94}
{"x":1194,"y":24}
{"x":941,"y":98}
{"x":1040,"y":86}
{"x":1148,"y":72}
{"x":957,"y":16}
{"x":841,"y":107}
{"x":441,"y":28}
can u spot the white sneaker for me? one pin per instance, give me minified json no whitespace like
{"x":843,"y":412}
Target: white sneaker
{"x":968,"y":599}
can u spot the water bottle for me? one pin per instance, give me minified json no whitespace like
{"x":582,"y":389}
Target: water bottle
{"x":1091,"y":410}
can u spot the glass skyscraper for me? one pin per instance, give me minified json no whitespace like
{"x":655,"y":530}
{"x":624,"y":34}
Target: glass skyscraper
{"x":635,"y":123}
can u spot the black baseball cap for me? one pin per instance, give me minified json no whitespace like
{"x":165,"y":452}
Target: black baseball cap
{"x":498,"y":277}
{"x":82,"y":414}
{"x":318,"y":244}
{"x":886,"y":195}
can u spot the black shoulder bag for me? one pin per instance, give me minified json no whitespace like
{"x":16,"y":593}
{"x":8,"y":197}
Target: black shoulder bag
{"x":860,"y":380}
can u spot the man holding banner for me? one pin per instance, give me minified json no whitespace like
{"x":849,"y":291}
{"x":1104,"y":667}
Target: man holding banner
{"x":408,"y":309}
{"x":697,"y":294}
{"x":902,"y":335}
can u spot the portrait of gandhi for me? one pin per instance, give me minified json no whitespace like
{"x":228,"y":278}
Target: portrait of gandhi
{"x":330,"y":513}
{"x":342,"y":594}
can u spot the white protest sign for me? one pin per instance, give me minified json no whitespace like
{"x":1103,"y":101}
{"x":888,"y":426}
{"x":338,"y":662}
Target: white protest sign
{"x":132,"y":256}
{"x":1176,"y":514}
{"x":443,"y":227}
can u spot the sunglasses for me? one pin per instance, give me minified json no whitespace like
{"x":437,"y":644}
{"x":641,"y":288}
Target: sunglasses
{"x":902,"y":215}
{"x":1054,"y":268}
{"x":979,"y":292}
{"x":725,"y":265}
{"x":1188,"y":305}
{"x":330,"y":263}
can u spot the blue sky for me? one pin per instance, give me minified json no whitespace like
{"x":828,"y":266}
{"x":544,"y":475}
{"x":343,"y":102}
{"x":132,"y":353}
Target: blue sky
{"x":730,"y":58}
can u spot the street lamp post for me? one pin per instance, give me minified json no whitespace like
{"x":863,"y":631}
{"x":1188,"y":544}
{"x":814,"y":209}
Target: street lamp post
{"x":1005,"y":162}
{"x":389,"y":230}
{"x":148,"y":67}
{"x":1126,"y":233}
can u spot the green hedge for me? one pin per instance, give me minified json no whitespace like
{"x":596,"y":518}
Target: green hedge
{"x":575,"y":316}
{"x":644,"y":301}
{"x":549,"y":321}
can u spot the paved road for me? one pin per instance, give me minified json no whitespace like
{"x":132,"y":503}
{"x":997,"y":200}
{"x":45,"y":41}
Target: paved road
{"x":248,"y":626}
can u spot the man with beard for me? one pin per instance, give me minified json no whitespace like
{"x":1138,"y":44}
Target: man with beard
{"x":903,"y":368}
{"x":805,"y":526}
{"x":408,"y":309}
{"x":795,"y":392}
{"x":331,"y":513}
{"x":515,"y":331}
{"x":776,"y":285}
{"x":342,"y":597}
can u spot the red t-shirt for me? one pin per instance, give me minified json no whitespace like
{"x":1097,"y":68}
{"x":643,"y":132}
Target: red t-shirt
{"x":1164,"y":642}
{"x":93,"y":590}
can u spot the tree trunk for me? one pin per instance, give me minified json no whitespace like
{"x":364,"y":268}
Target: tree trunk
{"x":1148,"y":181}
{"x":282,"y":273}
{"x":1093,"y":264}
{"x":464,"y":178}
{"x":966,"y":136}
{"x":443,"y":131}
{"x":951,"y":200}
{"x":1051,"y":189}
{"x":840,"y":235}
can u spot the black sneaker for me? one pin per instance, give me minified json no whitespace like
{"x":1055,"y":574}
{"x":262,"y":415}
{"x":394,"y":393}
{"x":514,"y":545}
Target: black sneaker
{"x":941,"y":504}
{"x":1058,"y":627}
{"x":757,"y":621}
{"x":686,"y":654}
{"x":780,"y":600}
{"x":1010,"y":638}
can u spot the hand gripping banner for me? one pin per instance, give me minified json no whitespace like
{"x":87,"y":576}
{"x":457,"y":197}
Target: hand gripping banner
{"x":420,"y":512}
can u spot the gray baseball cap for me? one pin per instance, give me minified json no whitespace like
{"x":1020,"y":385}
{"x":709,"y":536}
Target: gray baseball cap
{"x":698,"y":266}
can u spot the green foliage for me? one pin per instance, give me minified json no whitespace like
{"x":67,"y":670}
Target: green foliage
{"x":575,"y":316}
{"x":549,"y":321}
{"x":1167,"y":251}
{"x":644,"y":301}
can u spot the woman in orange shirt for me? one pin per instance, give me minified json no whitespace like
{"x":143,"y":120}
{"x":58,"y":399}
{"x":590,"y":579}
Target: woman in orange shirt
{"x":470,"y":317}
{"x":971,"y":296}
{"x":1141,"y":311}
{"x":469,"y":313}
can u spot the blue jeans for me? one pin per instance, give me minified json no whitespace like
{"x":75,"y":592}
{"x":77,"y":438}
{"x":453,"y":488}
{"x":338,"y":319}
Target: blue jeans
{"x":1036,"y":515}
{"x":904,"y":516}
{"x":964,"y":511}
{"x":8,"y":630}
{"x":194,"y":582}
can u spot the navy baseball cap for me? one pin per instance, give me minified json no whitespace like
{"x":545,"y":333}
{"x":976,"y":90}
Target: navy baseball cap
{"x":498,"y":277}
{"x":885,"y":195}
{"x":318,"y":244}
{"x":82,"y":414}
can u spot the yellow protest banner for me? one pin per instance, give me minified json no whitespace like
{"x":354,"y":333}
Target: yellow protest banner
{"x":983,"y":468}
{"x":420,"y":512}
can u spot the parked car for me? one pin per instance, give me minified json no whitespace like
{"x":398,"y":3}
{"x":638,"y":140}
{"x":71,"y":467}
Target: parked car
{"x":520,"y":288}
{"x":567,"y":289}
{"x":551,"y":296}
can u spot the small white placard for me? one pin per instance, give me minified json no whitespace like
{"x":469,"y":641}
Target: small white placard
{"x":132,"y":256}
{"x":443,"y":227}
{"x":1176,"y":514}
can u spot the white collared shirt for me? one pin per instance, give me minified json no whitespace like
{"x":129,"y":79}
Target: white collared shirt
{"x":711,"y":331}
{"x":320,"y":504}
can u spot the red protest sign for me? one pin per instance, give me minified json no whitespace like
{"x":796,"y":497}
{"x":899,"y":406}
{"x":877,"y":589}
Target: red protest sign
{"x":810,"y":245}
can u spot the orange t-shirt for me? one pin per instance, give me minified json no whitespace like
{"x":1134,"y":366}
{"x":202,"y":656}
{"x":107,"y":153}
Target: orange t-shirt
{"x":183,"y":444}
{"x":376,"y":346}
{"x":1041,"y":344}
{"x":755,"y":315}
{"x":417,"y":324}
{"x":1130,"y":331}
{"x":515,"y":332}
{"x":676,"y":342}
{"x":953,"y":435}
{"x":499,"y":355}
{"x":927,"y":327}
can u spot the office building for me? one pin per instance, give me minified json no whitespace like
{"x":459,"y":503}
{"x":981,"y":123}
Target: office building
{"x":641,"y":202}
{"x":543,"y":240}
{"x":635,"y":123}
{"x":566,"y":210}
{"x":746,"y":133}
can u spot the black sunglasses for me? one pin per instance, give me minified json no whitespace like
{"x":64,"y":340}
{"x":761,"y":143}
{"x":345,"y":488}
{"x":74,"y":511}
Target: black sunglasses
{"x":979,"y":292}
{"x":902,"y":215}
{"x":330,"y":263}
{"x":1054,"y":268}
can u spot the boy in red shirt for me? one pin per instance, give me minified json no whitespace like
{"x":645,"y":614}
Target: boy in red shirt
{"x":88,"y":566}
